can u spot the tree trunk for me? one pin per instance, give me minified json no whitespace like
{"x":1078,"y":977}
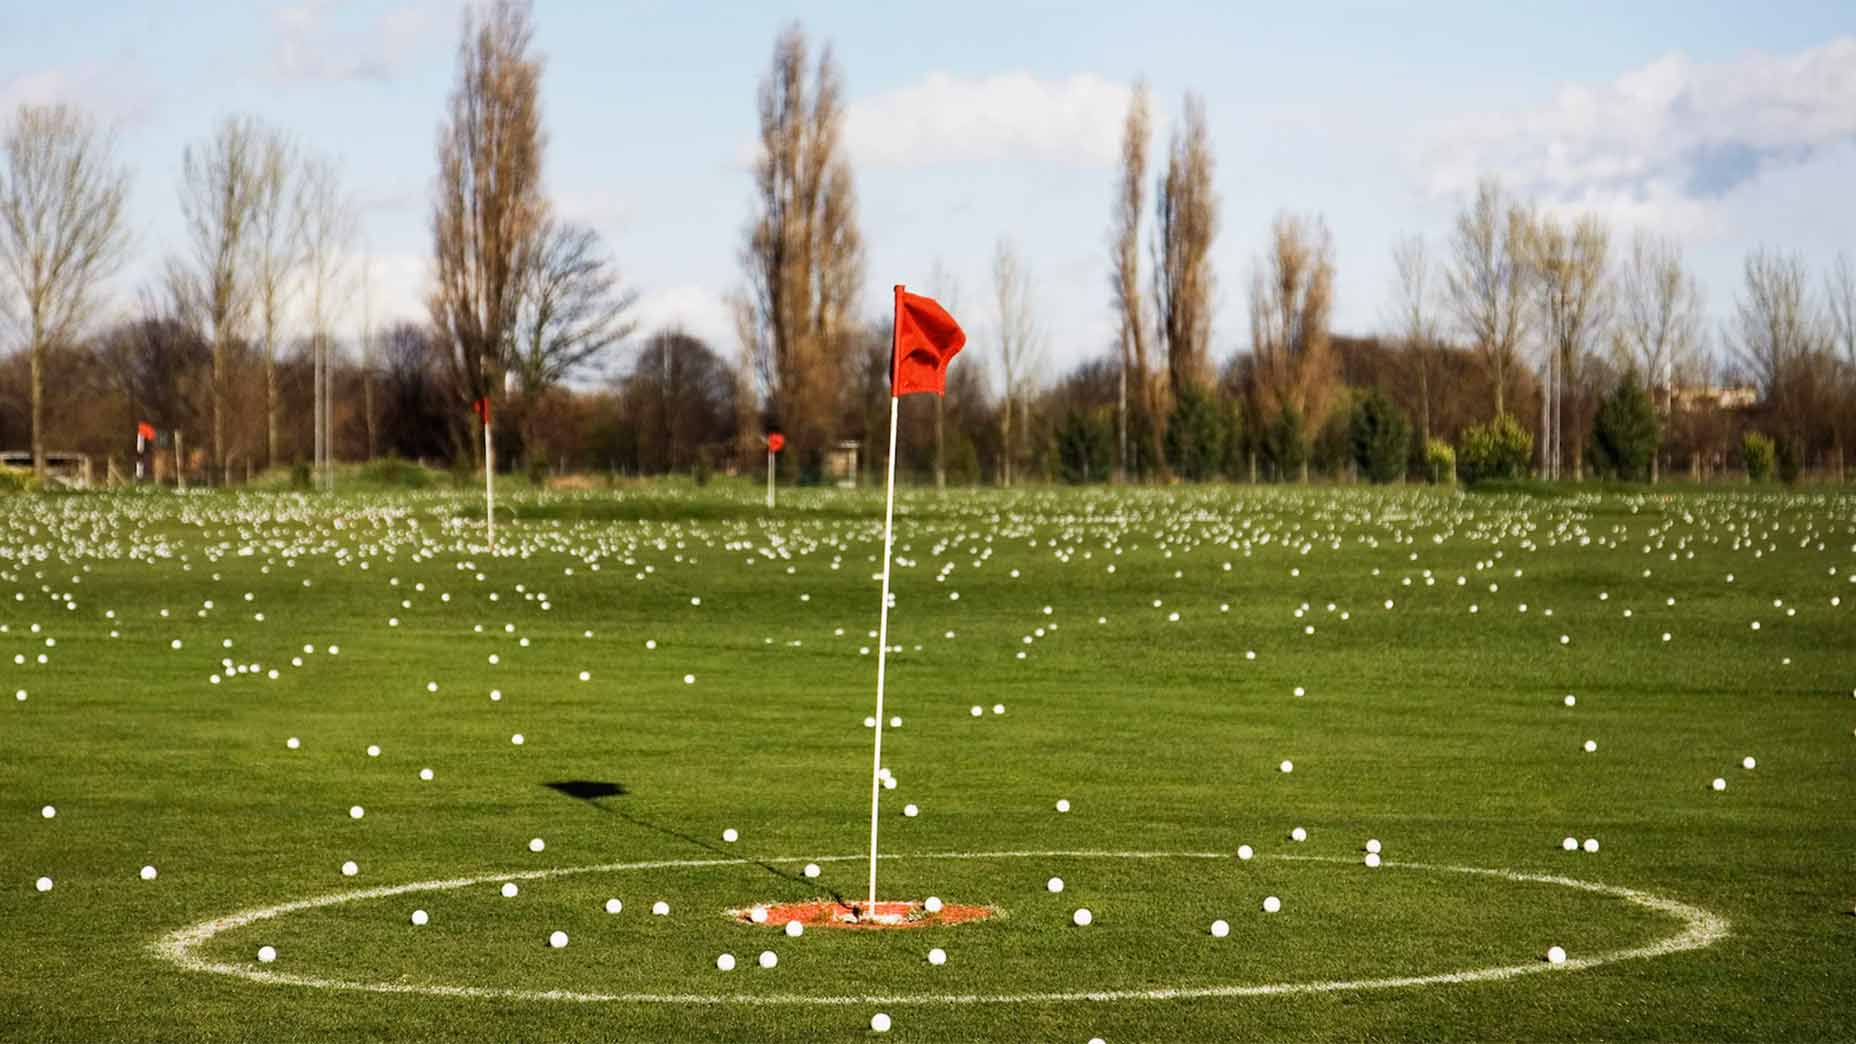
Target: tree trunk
{"x":38,"y":400}
{"x":270,"y":400}
{"x":1005,"y":448}
{"x":219,"y":394}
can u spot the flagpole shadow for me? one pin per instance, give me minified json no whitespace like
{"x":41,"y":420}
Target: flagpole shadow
{"x":590,"y":793}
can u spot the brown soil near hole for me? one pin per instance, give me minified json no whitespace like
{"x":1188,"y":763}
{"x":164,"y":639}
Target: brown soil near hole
{"x":828,"y":913}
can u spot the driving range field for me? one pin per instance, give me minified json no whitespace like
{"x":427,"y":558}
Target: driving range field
{"x":213,"y":702}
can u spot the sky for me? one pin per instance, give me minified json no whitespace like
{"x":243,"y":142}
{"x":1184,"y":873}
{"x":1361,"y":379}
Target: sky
{"x":1728,"y":126}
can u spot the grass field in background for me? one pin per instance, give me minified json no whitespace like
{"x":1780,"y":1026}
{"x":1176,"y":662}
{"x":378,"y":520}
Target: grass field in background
{"x":1412,"y":655}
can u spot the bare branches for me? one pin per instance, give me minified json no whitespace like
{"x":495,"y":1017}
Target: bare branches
{"x":1125,"y":277}
{"x":61,"y":232}
{"x":276,"y":254}
{"x":1659,"y":309}
{"x":1775,"y":326}
{"x":1020,"y":344}
{"x":573,"y":309}
{"x":487,"y":210}
{"x":802,"y":252}
{"x":1186,"y":222}
{"x":1291,"y":299}
{"x":1413,"y":317}
{"x":1487,"y":285}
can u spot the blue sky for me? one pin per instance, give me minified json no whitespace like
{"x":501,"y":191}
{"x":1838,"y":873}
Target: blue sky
{"x":1728,"y":126}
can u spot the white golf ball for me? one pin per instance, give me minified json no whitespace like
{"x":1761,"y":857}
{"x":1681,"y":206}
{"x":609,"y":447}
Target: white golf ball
{"x":911,"y":811}
{"x":1287,"y":765}
{"x":1298,"y":834}
{"x":1372,"y":845}
{"x":517,"y":739}
{"x":356,"y":812}
{"x":1271,"y":904}
{"x":425,"y":774}
{"x":660,"y":909}
{"x":349,"y":869}
{"x":1591,"y":746}
{"x":812,"y":870}
{"x":510,"y":890}
{"x":1054,"y":885}
{"x":1082,"y":917}
{"x":1556,"y":955}
{"x":1719,"y":783}
{"x":1063,"y":804}
{"x":937,"y":956}
{"x":978,"y":710}
{"x":43,"y":884}
{"x":1591,"y":844}
{"x":536,"y":844}
{"x":48,"y":812}
{"x":758,"y":915}
{"x":768,"y":958}
{"x":148,"y":873}
{"x":1748,"y":762}
{"x":1571,"y":700}
{"x":557,"y":940}
{"x":879,"y":1022}
{"x":1245,"y":852}
{"x":726,"y":962}
{"x":1570,"y":844}
{"x":1220,"y":929}
{"x":267,"y":954}
{"x":731,"y":835}
{"x":614,"y":906}
{"x":373,"y":750}
{"x":420,"y":917}
{"x":932,"y":904}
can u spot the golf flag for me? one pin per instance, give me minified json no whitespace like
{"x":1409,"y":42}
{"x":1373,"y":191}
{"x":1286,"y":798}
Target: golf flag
{"x":482,"y":409}
{"x":144,"y":431}
{"x":926,"y":338}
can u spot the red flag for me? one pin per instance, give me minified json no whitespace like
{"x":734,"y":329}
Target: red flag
{"x":144,"y":430}
{"x":925,"y":339}
{"x":776,"y":442}
{"x":482,"y":409}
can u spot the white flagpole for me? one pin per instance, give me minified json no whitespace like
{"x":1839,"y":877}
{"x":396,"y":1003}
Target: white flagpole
{"x":489,"y":477}
{"x":770,"y":480}
{"x":882,"y":639}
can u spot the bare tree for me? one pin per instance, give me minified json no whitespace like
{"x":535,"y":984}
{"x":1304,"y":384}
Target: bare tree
{"x":803,"y":254}
{"x":1568,"y":269}
{"x":573,"y":312}
{"x":61,"y":234}
{"x":946,"y":289}
{"x":1125,"y":280}
{"x":329,"y":230}
{"x":1659,"y":318}
{"x":1776,"y":334}
{"x":1487,"y":285}
{"x":277,"y":253}
{"x":1186,"y":222}
{"x":1020,"y":343}
{"x":487,"y":209}
{"x":1291,"y":298}
{"x":218,"y":197}
{"x":1413,"y":318}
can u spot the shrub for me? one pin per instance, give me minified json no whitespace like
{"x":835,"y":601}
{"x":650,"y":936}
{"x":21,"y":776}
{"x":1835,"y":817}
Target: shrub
{"x":1624,"y":432}
{"x":1195,"y":435}
{"x":1380,"y":438}
{"x":1285,"y":447}
{"x":1790,"y":460}
{"x":1439,"y":462}
{"x":17,"y":480}
{"x":395,"y":472}
{"x":1499,"y":449}
{"x":1085,"y":446}
{"x":1758,"y":451}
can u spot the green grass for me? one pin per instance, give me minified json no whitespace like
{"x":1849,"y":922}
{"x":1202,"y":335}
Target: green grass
{"x":1438,"y":731}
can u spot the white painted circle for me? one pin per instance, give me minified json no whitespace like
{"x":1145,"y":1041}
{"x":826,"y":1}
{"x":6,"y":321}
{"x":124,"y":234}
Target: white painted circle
{"x":1700,"y":928}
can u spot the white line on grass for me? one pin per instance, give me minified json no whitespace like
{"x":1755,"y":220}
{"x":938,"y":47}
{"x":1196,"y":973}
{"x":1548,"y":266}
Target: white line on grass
{"x":1699,"y":928}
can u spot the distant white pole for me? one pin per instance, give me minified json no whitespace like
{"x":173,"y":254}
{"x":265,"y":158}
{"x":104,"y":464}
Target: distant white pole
{"x":180,"y":468}
{"x":882,"y":640}
{"x":489,"y":476}
{"x":770,"y":480}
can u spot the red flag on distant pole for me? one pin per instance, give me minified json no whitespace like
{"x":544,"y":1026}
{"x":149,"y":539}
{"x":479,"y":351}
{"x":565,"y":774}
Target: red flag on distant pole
{"x":926,"y":338}
{"x":144,"y":430}
{"x":482,"y":409}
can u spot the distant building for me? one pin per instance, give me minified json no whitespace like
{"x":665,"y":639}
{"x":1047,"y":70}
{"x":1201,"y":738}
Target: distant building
{"x":1738,"y":397}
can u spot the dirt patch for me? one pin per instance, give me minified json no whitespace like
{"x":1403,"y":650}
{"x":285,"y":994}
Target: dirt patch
{"x":829,"y":913}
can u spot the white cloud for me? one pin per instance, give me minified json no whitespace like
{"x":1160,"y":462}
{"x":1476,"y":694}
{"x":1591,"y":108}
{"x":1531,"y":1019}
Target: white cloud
{"x":697,"y":310}
{"x":120,"y":93}
{"x":311,"y":48}
{"x":1670,"y":145}
{"x":1012,"y":116}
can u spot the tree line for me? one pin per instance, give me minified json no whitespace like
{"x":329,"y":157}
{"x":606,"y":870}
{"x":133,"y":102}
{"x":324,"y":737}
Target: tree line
{"x":1525,"y":340}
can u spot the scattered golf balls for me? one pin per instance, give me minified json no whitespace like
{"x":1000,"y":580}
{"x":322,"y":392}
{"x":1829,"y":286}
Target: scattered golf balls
{"x":768,"y":958}
{"x":1271,"y":904}
{"x":932,"y":904}
{"x":1570,"y":844}
{"x":794,"y":929}
{"x":1372,"y":845}
{"x":1372,"y":860}
{"x":267,"y":954}
{"x":420,"y":917}
{"x":731,"y":835}
{"x":1054,"y":885}
{"x":1220,"y":929}
{"x":557,"y":940}
{"x":811,"y":870}
{"x":614,"y":906}
{"x":356,"y":812}
{"x":1287,"y":765}
{"x":1591,"y":844}
{"x":1719,"y":783}
{"x":1082,"y":917}
{"x":1245,"y":852}
{"x":350,"y":868}
{"x":536,"y":844}
{"x":43,"y":884}
{"x":937,"y":956}
{"x":148,"y":873}
{"x":879,"y":1022}
{"x":660,"y":909}
{"x":509,"y":889}
{"x":1556,"y":955}
{"x":1298,"y":834}
{"x":725,"y":962}
{"x":1063,"y":804}
{"x":1748,"y":762}
{"x":48,"y":812}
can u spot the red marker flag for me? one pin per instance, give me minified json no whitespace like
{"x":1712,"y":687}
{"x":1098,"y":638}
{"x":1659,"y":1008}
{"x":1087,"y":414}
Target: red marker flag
{"x":482,"y":409}
{"x":925,"y":339}
{"x":776,"y":442}
{"x":144,"y":430}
